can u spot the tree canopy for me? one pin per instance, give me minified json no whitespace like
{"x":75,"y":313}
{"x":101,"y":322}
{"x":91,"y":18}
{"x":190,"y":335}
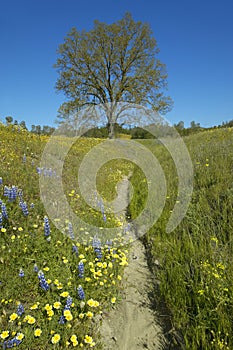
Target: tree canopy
{"x":109,"y":64}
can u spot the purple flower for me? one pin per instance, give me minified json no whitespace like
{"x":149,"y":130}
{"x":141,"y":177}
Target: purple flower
{"x":46,"y":226}
{"x":20,"y":310}
{"x":96,"y":244}
{"x":12,"y":342}
{"x":4,"y":211}
{"x":81,"y":269}
{"x":35,"y":268}
{"x":69,"y":302}
{"x":43,"y":283}
{"x":6,"y":191}
{"x":62,"y":320}
{"x":24,"y":208}
{"x":21,"y":273}
{"x":81,"y":293}
{"x":12,"y":193}
{"x":75,"y":249}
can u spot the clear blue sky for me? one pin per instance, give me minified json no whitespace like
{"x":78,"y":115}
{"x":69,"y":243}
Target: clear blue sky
{"x":195,"y":40}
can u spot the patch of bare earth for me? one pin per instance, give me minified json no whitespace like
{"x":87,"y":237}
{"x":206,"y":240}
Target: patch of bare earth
{"x":133,"y":324}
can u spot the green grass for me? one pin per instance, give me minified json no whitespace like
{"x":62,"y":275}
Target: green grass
{"x":23,"y":245}
{"x":196,"y":259}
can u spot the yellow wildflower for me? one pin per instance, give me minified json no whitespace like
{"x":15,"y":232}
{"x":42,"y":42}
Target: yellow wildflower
{"x":4,"y":334}
{"x":13,"y":317}
{"x":20,"y":336}
{"x":35,"y":306}
{"x":37,"y":332}
{"x":56,"y":338}
{"x":31,"y":320}
{"x":48,"y":307}
{"x":57,"y":305}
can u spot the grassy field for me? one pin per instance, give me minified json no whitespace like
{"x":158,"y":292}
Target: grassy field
{"x":54,"y":289}
{"x":196,"y":259}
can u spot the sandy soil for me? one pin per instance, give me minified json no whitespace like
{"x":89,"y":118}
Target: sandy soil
{"x":133,"y":324}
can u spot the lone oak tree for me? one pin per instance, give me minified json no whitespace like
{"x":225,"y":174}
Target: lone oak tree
{"x":109,"y":64}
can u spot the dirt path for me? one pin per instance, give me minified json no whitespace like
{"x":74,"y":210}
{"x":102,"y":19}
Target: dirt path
{"x":133,"y":325}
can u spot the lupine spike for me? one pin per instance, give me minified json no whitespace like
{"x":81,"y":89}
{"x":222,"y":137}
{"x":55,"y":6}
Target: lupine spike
{"x":43,"y":283}
{"x":4,"y":211}
{"x":25,"y":208}
{"x":46,"y":226}
{"x":81,"y":293}
{"x":20,"y":310}
{"x":21,"y":273}
{"x":81,"y":269}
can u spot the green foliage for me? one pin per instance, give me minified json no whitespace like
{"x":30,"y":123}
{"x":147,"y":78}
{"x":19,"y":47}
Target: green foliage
{"x":23,"y":244}
{"x":111,"y":63}
{"x":195,"y":260}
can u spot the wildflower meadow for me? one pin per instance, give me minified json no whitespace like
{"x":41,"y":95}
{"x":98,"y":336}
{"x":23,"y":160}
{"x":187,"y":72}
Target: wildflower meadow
{"x":55,"y":290}
{"x":194,"y":262}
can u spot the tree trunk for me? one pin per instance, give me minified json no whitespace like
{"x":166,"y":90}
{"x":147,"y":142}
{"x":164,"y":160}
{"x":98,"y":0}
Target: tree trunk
{"x":111,"y":131}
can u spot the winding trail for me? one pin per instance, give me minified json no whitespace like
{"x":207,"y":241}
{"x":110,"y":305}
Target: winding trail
{"x":133,"y":324}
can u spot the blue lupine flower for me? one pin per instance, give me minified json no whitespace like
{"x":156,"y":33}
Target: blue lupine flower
{"x":46,"y":226}
{"x":71,"y":232}
{"x":104,"y":218}
{"x":24,"y":208}
{"x":20,"y":310}
{"x":109,"y":244}
{"x":35,"y":268}
{"x":4,"y":211}
{"x":0,"y":180}
{"x":12,"y":342}
{"x":97,"y":247}
{"x":81,"y":269}
{"x":81,"y":293}
{"x":20,"y":194}
{"x":62,"y":320}
{"x":24,"y":158}
{"x":12,"y":193}
{"x":1,"y":220}
{"x":21,"y":203}
{"x":75,"y":249}
{"x":43,"y":283}
{"x":38,"y":170}
{"x":21,"y":273}
{"x":69,"y":302}
{"x":32,"y":205}
{"x":6,"y":191}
